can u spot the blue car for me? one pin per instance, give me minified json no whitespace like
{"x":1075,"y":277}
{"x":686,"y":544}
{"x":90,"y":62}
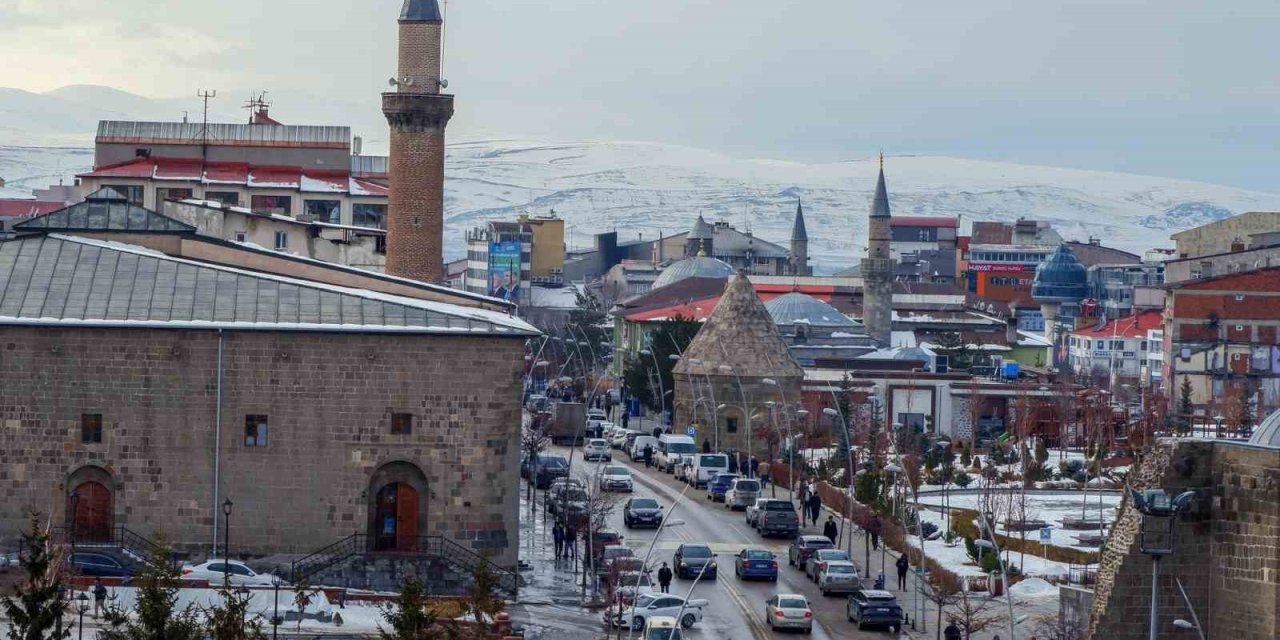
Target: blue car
{"x":756,"y":563}
{"x":719,"y":485}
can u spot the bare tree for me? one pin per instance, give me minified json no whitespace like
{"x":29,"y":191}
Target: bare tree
{"x":533,"y":441}
{"x":1052,"y":626}
{"x":942,"y":590}
{"x":594,"y":517}
{"x":972,"y":615}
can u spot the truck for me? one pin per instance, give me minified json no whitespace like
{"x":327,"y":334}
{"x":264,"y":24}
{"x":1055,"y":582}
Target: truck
{"x":564,"y":422}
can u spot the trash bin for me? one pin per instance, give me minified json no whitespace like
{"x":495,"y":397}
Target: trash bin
{"x":996,"y":583}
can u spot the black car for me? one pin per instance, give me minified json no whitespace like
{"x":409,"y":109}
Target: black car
{"x":642,"y":512}
{"x":693,"y":559}
{"x":547,"y":468}
{"x":98,"y":565}
{"x":804,"y":546}
{"x":869,"y":607}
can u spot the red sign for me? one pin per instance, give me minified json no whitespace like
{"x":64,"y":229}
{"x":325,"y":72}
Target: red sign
{"x":999,"y":267}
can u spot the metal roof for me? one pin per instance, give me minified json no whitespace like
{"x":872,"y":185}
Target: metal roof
{"x":798,"y":232}
{"x":266,"y":135}
{"x":56,"y":280}
{"x":1060,"y":278}
{"x":421,"y":11}
{"x":696,"y":267}
{"x":701,"y":230}
{"x":797,"y":307}
{"x":880,"y":202}
{"x":104,"y":210}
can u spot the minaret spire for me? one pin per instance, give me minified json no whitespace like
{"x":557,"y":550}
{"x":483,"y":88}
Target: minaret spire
{"x":877,"y":267}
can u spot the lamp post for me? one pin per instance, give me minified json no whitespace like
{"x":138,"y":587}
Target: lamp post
{"x":644,"y":564}
{"x":1157,"y":536}
{"x":662,"y":394}
{"x":724,"y":368}
{"x":844,"y":431}
{"x":711,"y":390}
{"x":83,"y":607}
{"x":275,"y":608}
{"x":226,"y":542}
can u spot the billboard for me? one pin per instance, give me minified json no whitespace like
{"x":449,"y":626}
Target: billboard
{"x":504,"y":270}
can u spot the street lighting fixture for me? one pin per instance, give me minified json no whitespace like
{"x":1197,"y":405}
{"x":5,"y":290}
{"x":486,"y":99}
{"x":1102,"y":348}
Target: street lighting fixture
{"x":226,"y":541}
{"x":673,"y":357}
{"x":82,"y":608}
{"x":1157,"y":535}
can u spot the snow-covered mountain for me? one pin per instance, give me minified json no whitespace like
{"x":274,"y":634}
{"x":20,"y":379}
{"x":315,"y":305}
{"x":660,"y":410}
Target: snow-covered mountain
{"x":648,"y":188}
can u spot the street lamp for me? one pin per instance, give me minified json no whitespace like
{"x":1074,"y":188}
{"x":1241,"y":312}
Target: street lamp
{"x":275,"y":615}
{"x":83,"y":607}
{"x":1157,"y":535}
{"x":226,"y":542}
{"x":1218,"y":420}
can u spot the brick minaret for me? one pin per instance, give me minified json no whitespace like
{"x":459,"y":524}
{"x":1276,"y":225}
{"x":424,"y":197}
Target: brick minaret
{"x":877,"y":268}
{"x":418,"y":114}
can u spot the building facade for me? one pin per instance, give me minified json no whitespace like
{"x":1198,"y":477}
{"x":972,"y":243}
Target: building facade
{"x":499,"y":261}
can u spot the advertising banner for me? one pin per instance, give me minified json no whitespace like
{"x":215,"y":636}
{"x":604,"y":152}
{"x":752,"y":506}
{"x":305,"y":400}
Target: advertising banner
{"x":504,"y":270}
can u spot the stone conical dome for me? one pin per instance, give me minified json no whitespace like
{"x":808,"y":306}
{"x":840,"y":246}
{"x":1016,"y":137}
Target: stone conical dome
{"x":739,"y":333}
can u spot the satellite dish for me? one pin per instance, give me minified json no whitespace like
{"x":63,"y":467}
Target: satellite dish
{"x":393,"y":82}
{"x":444,"y":84}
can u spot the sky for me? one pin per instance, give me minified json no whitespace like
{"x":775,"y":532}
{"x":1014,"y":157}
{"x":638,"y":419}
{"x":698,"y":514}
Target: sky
{"x":1178,"y":88}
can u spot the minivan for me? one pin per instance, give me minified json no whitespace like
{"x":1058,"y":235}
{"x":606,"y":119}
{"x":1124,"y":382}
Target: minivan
{"x":636,"y":452}
{"x":671,"y":448}
{"x":705,"y":468}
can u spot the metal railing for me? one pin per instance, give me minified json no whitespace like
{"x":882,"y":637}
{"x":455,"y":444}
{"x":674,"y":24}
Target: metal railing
{"x":455,"y":555}
{"x":136,"y":548}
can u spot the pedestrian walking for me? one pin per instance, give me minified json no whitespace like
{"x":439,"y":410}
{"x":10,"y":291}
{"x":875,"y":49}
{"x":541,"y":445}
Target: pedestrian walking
{"x":557,"y":534}
{"x":706,"y":446}
{"x":815,"y":507}
{"x":831,"y":530}
{"x":648,"y":456}
{"x":903,"y":567}
{"x":571,"y":542}
{"x":664,"y":578}
{"x":733,"y":462}
{"x":753,"y":467}
{"x":952,"y":632}
{"x":804,"y":496}
{"x":762,"y":470}
{"x":99,"y":597}
{"x":874,"y":530}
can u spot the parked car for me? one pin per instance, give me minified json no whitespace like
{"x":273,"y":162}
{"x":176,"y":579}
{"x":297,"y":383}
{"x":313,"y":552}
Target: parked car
{"x":672,"y":449}
{"x":804,"y":546}
{"x":684,"y":470}
{"x":596,"y":449}
{"x":753,"y":511}
{"x":629,"y":584}
{"x":661,"y":628}
{"x":788,"y":611}
{"x":868,"y":607}
{"x":570,"y":502}
{"x":615,"y":477}
{"x":604,"y":538}
{"x":742,"y":493}
{"x":637,"y":512}
{"x":98,"y":565}
{"x":693,"y":559}
{"x":536,"y":402}
{"x":638,"y":443}
{"x":756,"y":563}
{"x":719,"y":485}
{"x":838,"y":576}
{"x":547,"y":468}
{"x":820,"y":557}
{"x":609,"y":554}
{"x":618,"y":439}
{"x":778,"y":518}
{"x":655,"y":604}
{"x":238,"y":573}
{"x":705,"y":467}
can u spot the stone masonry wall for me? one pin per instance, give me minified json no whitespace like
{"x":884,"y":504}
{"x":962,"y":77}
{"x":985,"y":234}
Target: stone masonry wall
{"x":328,"y":398}
{"x":1226,"y":546}
{"x":726,"y":392}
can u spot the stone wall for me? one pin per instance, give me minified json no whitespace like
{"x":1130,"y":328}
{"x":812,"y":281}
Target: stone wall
{"x":1226,"y":551}
{"x":726,"y":391}
{"x":329,"y":399}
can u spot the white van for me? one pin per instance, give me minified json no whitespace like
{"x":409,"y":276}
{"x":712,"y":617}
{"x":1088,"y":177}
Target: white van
{"x":636,"y":452}
{"x":671,"y":449}
{"x":706,"y":466}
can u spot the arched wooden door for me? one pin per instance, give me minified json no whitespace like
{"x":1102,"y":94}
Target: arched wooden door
{"x":396,"y":518}
{"x":92,"y":517}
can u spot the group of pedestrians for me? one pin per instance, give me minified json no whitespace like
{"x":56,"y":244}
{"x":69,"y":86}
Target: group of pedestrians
{"x":811,"y":509}
{"x":566,"y":541}
{"x":810,"y":504}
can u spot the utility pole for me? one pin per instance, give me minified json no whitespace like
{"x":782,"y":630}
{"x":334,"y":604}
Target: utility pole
{"x":205,"y":95}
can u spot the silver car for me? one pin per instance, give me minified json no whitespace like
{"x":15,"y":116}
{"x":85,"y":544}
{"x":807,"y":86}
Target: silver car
{"x":742,"y":493}
{"x":596,"y":449}
{"x":838,"y":576}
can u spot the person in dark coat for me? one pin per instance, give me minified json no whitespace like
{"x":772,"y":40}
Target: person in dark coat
{"x":830,"y":529}
{"x":733,"y":462}
{"x":874,"y":530}
{"x":648,"y":456}
{"x":99,"y":597}
{"x":706,"y":446}
{"x":903,"y":567}
{"x":952,"y":632}
{"x":815,"y":507}
{"x":752,"y":466}
{"x":664,"y":578}
{"x":571,"y":542}
{"x":557,"y":534}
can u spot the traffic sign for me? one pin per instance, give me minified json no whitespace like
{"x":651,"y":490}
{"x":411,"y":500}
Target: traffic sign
{"x":690,"y":431}
{"x":1044,"y":534}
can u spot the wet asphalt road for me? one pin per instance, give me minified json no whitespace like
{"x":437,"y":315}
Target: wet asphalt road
{"x":736,"y":609}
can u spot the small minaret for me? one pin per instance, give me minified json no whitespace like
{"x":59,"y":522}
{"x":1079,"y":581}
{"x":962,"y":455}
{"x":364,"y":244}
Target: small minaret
{"x":877,"y":268}
{"x":800,"y":245}
{"x":700,"y":238}
{"x":417,"y":113}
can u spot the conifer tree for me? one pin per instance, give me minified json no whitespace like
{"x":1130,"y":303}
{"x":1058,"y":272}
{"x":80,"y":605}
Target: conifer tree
{"x":35,"y":610}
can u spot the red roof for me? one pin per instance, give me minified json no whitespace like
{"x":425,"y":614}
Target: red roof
{"x":188,"y":170}
{"x":1127,"y":327}
{"x":279,"y":177}
{"x":16,"y":208}
{"x":136,"y":168}
{"x":924,"y":221}
{"x":229,"y":172}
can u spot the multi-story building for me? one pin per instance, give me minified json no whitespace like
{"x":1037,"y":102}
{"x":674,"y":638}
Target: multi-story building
{"x":1117,"y":349}
{"x":1256,"y":256}
{"x":1225,"y":236}
{"x":499,"y":261}
{"x":1118,"y":289}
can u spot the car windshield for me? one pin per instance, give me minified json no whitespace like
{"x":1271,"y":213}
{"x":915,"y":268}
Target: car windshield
{"x":713,"y":461}
{"x":607,"y":535}
{"x":697,"y":552}
{"x":633,"y":579}
{"x":616,"y":471}
{"x":618,"y":552}
{"x":725,"y":478}
{"x":664,"y":634}
{"x":757,"y":554}
{"x":553,"y":461}
{"x":747,"y":485}
{"x":840,"y":568}
{"x":819,"y":543}
{"x":644,"y":503}
{"x":833,"y":554}
{"x":576,"y":495}
{"x":777,"y":505}
{"x":596,"y":442}
{"x":644,"y":600}
{"x":681,"y":447}
{"x":882,"y":599}
{"x":792,"y":603}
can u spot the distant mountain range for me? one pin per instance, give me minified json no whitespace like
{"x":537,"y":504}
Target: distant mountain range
{"x":643,"y":189}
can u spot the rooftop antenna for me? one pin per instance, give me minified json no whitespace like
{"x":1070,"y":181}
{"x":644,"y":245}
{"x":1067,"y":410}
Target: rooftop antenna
{"x":256,"y":104}
{"x":205,"y":94}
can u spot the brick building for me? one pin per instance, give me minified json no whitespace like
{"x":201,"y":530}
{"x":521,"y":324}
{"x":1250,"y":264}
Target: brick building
{"x":156,"y":379}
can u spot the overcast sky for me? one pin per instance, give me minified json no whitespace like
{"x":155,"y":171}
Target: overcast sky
{"x":1185,"y":88}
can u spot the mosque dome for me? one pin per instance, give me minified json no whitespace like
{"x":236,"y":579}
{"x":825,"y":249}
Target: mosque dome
{"x":1268,"y":433}
{"x":1061,"y":278}
{"x":796,"y":307}
{"x":695,"y":267}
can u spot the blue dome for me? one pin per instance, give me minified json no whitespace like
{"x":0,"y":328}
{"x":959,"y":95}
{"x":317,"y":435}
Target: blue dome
{"x":797,"y":307}
{"x":695,"y":267}
{"x":1061,"y":278}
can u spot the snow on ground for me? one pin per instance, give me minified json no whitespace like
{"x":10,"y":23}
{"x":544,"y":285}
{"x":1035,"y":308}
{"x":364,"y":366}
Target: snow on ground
{"x":1034,"y":588}
{"x":1050,"y":507}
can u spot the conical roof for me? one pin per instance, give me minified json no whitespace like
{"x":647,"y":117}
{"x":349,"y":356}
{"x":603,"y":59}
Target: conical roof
{"x":741,"y":335}
{"x":421,"y":11}
{"x":880,"y":203}
{"x":798,"y":232}
{"x":701,"y":230}
{"x":1060,"y":278}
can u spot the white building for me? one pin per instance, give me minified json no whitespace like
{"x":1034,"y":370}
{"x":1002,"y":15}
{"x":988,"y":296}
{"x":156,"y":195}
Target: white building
{"x":1121,"y":346}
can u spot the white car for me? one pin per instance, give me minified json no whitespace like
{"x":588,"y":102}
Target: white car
{"x":215,"y":570}
{"x":753,"y":511}
{"x":619,"y":438}
{"x":655,"y":604}
{"x":615,"y":477}
{"x":596,"y":449}
{"x":788,"y":611}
